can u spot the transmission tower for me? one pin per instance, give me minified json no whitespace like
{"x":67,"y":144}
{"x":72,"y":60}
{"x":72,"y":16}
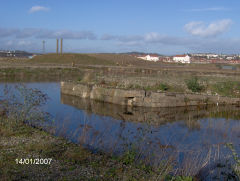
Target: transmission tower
{"x":43,"y":47}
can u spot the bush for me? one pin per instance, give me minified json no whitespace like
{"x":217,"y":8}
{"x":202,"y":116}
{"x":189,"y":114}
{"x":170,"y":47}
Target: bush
{"x":163,"y":87}
{"x":24,"y":105}
{"x":236,"y":158}
{"x":194,"y":85}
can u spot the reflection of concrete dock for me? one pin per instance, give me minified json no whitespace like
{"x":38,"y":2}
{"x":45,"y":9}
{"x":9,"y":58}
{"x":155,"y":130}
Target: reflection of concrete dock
{"x":154,"y":116}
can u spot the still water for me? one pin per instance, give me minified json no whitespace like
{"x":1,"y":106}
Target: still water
{"x":185,"y":134}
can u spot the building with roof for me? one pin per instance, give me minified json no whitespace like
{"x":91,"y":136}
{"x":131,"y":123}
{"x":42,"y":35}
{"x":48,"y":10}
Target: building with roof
{"x":182,"y":59}
{"x":153,"y":58}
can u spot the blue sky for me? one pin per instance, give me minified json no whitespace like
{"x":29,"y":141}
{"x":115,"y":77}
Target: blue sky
{"x":165,"y":27}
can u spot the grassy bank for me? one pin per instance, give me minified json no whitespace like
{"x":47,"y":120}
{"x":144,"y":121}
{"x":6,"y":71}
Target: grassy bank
{"x":164,"y":81}
{"x":40,"y":74}
{"x":22,"y":142}
{"x":69,"y":161}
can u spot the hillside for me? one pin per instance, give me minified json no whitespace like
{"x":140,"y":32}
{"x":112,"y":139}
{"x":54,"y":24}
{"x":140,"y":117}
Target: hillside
{"x":105,"y":59}
{"x":123,"y":59}
{"x":69,"y":59}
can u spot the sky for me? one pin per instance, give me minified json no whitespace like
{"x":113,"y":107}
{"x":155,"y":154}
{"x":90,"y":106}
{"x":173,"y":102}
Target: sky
{"x":115,"y":26}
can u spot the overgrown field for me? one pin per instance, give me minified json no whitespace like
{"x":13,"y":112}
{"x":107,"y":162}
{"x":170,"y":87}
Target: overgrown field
{"x":125,"y":71}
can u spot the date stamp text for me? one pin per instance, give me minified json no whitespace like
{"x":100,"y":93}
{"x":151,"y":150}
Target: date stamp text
{"x":33,"y":161}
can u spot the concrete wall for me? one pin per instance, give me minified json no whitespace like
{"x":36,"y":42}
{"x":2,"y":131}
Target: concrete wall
{"x":142,"y":97}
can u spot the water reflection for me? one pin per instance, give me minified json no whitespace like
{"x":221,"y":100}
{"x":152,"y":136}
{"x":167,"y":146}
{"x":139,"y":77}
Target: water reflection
{"x":153,"y":116}
{"x":157,"y":133}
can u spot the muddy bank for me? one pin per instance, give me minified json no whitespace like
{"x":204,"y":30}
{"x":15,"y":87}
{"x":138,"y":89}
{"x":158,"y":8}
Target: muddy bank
{"x":143,"y":98}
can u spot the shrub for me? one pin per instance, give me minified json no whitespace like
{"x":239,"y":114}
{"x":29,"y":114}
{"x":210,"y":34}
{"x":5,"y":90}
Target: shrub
{"x":163,"y":87}
{"x":236,"y":158}
{"x":129,"y":157}
{"x":194,"y":85}
{"x":24,"y":104}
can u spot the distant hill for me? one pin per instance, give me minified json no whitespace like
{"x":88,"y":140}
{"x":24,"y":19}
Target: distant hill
{"x":122,"y":59}
{"x":69,"y":58}
{"x":107,"y":59}
{"x":15,"y":53}
{"x":142,"y":53}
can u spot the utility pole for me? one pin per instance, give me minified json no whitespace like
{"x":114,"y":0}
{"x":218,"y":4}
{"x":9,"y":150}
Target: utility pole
{"x":57,"y":47}
{"x":43,"y":47}
{"x":61,"y":49}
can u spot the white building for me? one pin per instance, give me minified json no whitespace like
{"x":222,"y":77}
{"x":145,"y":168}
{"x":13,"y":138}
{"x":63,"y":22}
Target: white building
{"x":182,"y":59}
{"x":154,"y":58}
{"x":209,"y":56}
{"x":229,"y":58}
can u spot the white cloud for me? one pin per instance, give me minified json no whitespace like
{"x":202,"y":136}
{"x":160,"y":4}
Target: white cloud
{"x":24,"y":43}
{"x":152,"y":37}
{"x":45,"y":33}
{"x":209,"y":9}
{"x":109,"y":37}
{"x":38,"y":8}
{"x":177,"y":44}
{"x":198,"y":28}
{"x":67,"y":34}
{"x":8,"y":43}
{"x":28,"y":39}
{"x":5,"y":32}
{"x":19,"y":44}
{"x":121,"y":38}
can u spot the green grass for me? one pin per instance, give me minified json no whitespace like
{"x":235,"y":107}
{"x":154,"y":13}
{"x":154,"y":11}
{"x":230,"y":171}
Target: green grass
{"x":162,"y":87}
{"x":236,"y":158}
{"x":156,"y":87}
{"x":231,"y":88}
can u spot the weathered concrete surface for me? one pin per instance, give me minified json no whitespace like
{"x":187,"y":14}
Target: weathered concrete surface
{"x":141,"y":97}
